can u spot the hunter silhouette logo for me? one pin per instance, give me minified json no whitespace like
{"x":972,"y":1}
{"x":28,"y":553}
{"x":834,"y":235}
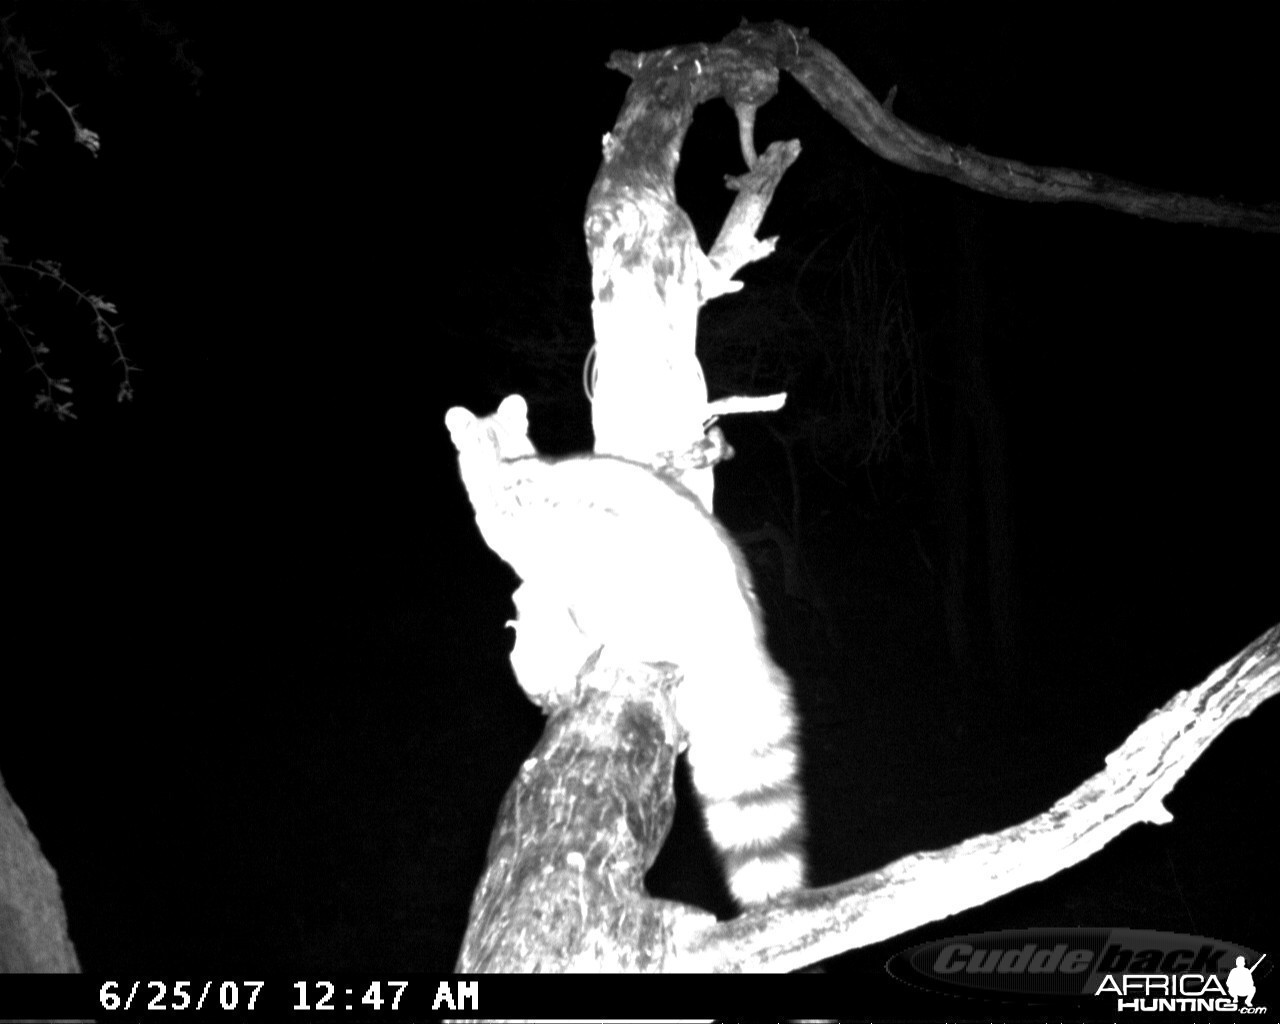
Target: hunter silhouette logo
{"x":1240,"y":980}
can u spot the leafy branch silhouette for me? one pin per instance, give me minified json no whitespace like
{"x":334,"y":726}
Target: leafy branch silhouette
{"x":16,"y":134}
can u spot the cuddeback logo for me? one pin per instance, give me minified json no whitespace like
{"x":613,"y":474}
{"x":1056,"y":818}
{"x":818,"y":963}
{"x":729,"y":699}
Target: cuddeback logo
{"x":1131,"y":971}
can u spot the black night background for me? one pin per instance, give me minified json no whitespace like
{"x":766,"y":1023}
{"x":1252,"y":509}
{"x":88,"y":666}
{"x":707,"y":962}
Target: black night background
{"x":256,"y":702}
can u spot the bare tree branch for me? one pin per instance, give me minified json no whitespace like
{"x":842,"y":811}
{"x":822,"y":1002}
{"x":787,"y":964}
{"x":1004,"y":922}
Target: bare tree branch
{"x":586,"y":817}
{"x":923,"y":887}
{"x":847,"y":100}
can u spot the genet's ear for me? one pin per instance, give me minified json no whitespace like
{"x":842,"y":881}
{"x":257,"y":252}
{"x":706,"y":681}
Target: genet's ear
{"x":461,"y":424}
{"x":513,"y":412}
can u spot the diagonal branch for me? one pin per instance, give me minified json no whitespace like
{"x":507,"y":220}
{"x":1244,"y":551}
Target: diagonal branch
{"x":847,"y":100}
{"x":923,"y":887}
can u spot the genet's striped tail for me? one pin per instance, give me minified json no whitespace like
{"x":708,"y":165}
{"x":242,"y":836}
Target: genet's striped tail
{"x":746,"y":769}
